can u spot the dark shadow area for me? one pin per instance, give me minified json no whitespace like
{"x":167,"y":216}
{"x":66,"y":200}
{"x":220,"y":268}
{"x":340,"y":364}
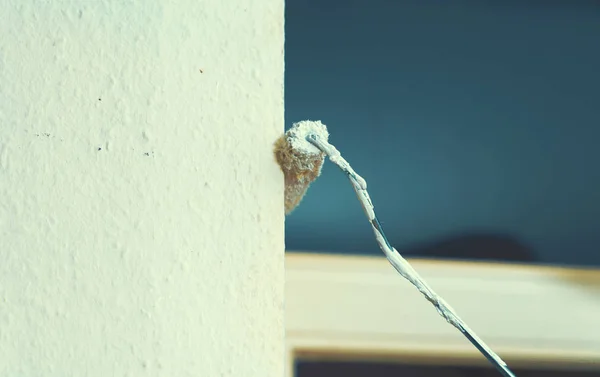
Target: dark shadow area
{"x":468,"y":246}
{"x":491,"y":247}
{"x":360,"y":369}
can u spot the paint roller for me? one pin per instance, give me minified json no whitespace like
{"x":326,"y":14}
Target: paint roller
{"x":300,"y":153}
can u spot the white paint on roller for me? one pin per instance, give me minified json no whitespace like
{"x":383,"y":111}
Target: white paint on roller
{"x":298,"y":133}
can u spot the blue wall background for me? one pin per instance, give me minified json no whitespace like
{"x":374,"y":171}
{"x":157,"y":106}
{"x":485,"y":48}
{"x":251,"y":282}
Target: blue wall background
{"x":466,"y":118}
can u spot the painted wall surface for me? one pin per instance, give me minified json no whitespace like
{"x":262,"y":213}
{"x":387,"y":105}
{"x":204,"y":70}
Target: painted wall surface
{"x":466,"y":118}
{"x":141,"y":216}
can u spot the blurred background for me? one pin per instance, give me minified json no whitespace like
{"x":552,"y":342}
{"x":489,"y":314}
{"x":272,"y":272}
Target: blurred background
{"x":475,"y":124}
{"x":366,"y":369}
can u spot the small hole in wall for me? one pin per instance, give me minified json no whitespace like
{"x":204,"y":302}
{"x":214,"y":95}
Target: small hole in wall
{"x":99,"y":148}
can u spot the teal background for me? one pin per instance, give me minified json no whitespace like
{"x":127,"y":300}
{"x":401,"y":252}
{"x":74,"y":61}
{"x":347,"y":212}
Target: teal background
{"x":475,"y":124}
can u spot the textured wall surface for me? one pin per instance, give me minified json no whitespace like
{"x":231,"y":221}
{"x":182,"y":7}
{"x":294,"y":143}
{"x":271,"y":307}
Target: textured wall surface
{"x":141,"y":216}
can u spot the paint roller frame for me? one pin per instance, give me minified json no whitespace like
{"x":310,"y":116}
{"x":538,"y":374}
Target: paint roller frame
{"x":302,"y":165}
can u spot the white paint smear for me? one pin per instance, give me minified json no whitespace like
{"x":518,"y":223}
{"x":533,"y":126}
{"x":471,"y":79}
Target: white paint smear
{"x":298,"y":133}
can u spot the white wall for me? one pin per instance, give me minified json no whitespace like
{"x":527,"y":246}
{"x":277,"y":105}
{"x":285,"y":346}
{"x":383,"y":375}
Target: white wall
{"x":141,"y":217}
